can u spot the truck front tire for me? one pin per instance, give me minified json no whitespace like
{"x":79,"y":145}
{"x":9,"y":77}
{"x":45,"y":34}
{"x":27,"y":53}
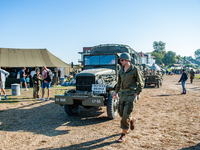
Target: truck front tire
{"x":112,"y":106}
{"x":71,"y":110}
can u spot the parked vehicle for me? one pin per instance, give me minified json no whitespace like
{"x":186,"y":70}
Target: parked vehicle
{"x":95,"y":85}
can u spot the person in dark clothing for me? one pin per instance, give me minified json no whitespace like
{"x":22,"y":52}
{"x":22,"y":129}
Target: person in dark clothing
{"x":59,"y":74}
{"x":183,"y":79}
{"x":22,"y":78}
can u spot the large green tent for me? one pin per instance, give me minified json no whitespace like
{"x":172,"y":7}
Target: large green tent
{"x":10,"y":57}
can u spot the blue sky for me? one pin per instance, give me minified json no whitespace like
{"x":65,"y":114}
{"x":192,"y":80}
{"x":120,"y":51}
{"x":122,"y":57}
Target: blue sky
{"x":64,"y":27}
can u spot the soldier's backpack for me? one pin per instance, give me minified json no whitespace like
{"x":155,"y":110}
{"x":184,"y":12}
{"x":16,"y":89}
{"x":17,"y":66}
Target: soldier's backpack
{"x":49,"y":77}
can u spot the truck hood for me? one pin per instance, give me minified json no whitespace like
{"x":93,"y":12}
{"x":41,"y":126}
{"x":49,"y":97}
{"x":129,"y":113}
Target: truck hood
{"x":96,"y":71}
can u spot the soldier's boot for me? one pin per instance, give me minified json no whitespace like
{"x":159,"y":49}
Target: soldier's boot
{"x":132,"y":123}
{"x":122,"y":138}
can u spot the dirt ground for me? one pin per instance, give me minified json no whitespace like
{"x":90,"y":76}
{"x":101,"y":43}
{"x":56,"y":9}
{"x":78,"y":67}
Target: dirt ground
{"x":165,"y":120}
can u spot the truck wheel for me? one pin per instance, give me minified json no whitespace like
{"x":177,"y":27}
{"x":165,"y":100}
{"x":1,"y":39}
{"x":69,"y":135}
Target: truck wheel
{"x":71,"y":109}
{"x":112,"y":106}
{"x":158,"y":84}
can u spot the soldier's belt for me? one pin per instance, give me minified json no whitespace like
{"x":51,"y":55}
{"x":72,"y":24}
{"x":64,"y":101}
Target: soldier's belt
{"x":126,"y":90}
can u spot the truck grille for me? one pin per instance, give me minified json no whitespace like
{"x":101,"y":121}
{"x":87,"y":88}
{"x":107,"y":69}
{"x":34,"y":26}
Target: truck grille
{"x":151,"y":79}
{"x":84,"y":83}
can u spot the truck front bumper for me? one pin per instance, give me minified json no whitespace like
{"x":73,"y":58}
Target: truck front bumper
{"x":96,"y":101}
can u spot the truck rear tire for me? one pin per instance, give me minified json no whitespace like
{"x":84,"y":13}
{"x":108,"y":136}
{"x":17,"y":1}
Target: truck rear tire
{"x":71,"y":110}
{"x":112,"y":106}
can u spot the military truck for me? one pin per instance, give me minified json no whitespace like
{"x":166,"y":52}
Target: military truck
{"x":95,"y":84}
{"x":153,"y":79}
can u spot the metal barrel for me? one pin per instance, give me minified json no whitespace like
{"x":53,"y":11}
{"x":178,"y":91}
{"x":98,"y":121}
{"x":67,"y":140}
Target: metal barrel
{"x":15,"y":89}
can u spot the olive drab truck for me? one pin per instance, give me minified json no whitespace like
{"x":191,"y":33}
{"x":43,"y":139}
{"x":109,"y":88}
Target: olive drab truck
{"x":95,"y":84}
{"x":155,"y":77}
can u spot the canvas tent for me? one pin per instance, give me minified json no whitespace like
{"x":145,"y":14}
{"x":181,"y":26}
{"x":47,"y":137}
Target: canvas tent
{"x":10,"y":57}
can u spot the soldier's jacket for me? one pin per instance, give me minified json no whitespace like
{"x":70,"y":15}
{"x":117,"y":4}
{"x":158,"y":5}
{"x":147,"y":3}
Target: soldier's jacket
{"x":130,"y":82}
{"x":192,"y":74}
{"x":35,"y":78}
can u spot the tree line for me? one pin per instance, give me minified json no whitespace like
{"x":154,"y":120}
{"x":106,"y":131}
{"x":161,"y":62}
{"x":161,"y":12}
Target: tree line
{"x":169,"y":58}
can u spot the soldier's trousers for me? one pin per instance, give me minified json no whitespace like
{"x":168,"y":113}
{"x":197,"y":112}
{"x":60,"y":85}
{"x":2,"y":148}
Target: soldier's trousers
{"x":126,"y":104}
{"x":38,"y":90}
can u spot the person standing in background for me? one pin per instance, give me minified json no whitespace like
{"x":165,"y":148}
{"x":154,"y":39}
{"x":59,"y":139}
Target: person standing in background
{"x":59,"y":74}
{"x":3,"y":75}
{"x":45,"y":83}
{"x":22,"y":78}
{"x":192,"y":75}
{"x":183,"y":80}
{"x":28,"y":80}
{"x":37,"y":78}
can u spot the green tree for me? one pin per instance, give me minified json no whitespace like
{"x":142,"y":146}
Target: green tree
{"x":159,"y":57}
{"x":169,"y":58}
{"x":197,"y":54}
{"x":179,"y":57}
{"x":159,"y":47}
{"x":190,"y":65}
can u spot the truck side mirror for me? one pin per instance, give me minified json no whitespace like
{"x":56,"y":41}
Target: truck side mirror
{"x":72,"y":64}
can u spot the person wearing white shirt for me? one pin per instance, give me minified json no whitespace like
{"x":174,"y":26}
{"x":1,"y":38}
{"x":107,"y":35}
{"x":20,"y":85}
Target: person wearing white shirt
{"x":3,"y":75}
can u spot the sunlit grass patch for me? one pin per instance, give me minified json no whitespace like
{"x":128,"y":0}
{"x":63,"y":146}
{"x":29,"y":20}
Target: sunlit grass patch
{"x":197,"y":77}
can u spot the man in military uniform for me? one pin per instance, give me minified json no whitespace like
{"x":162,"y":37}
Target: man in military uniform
{"x":129,"y":85}
{"x":36,"y":82}
{"x":192,"y":75}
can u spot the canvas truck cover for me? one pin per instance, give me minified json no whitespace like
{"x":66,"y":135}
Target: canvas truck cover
{"x":112,"y":49}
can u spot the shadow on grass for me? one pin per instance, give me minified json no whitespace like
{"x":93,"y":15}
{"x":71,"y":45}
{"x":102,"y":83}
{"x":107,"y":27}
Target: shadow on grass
{"x":44,"y":118}
{"x":196,"y":147}
{"x":9,"y":100}
{"x":94,"y":144}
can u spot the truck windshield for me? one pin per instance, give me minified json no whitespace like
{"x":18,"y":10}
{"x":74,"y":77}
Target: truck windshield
{"x":100,"y":60}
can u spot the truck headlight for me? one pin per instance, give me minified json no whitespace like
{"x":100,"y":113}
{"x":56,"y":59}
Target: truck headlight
{"x":100,"y":81}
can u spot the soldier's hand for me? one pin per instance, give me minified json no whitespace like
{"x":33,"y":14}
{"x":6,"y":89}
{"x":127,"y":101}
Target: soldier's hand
{"x":114,"y":95}
{"x":135,"y":94}
{"x":35,"y":81}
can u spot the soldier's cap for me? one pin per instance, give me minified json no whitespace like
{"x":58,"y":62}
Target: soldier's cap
{"x":37,"y":69}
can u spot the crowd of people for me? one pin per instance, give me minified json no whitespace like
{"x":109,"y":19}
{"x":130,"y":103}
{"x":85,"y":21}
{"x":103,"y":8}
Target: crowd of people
{"x":34,"y":78}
